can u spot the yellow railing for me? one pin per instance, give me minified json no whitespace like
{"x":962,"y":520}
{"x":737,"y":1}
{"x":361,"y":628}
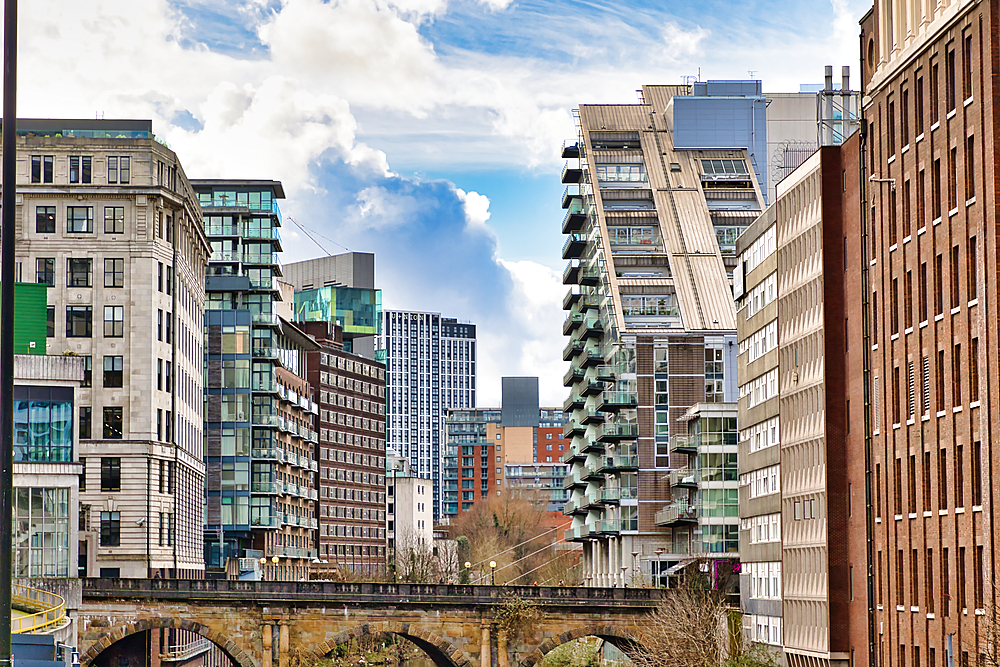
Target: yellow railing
{"x":52,"y":606}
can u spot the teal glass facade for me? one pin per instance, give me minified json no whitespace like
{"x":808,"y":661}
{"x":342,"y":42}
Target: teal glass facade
{"x":43,"y":424}
{"x":357,"y":310}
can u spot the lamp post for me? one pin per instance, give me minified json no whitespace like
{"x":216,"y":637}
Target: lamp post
{"x":468,"y":574}
{"x":493,"y":573}
{"x":624,"y":569}
{"x":274,"y":568}
{"x":635,"y":566}
{"x":659,"y":566}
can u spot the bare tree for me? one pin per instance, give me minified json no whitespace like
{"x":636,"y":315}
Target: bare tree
{"x":692,"y":628}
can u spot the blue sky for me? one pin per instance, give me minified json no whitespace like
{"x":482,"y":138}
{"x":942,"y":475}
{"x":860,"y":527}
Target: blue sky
{"x":426,"y":131}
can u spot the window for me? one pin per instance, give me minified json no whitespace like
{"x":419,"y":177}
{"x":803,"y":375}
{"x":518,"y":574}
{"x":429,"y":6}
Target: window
{"x":955,"y":303}
{"x":891,"y":122}
{"x":959,"y":477}
{"x":970,"y":168}
{"x":78,"y":273}
{"x":159,"y":324}
{"x":967,"y":67}
{"x":114,"y":219}
{"x":908,"y":300}
{"x":973,"y":268}
{"x":45,"y":271}
{"x":118,"y":170}
{"x":168,"y":383}
{"x":926,"y":487}
{"x":904,"y":120}
{"x":159,"y":276}
{"x":907,"y":202}
{"x":939,"y":284}
{"x":977,"y":471}
{"x":939,"y":376}
{"x":88,"y":371}
{"x":911,"y":474}
{"x":80,"y":219}
{"x":41,"y":168}
{"x":50,"y":321}
{"x":170,"y":279}
{"x":892,"y":218}
{"x":45,"y":219}
{"x":110,"y":530}
{"x":113,"y":423}
{"x":953,"y":179}
{"x":929,"y":588}
{"x":114,"y":272}
{"x":922,"y":293}
{"x":949,"y":80}
{"x":111,"y":473}
{"x":113,"y":371}
{"x":79,"y":321}
{"x":86,"y":413}
{"x":974,"y":370}
{"x":936,"y":190}
{"x":918,"y":116}
{"x":894,"y":308}
{"x":80,"y":168}
{"x":935,"y":102}
{"x":921,"y":194}
{"x":114,"y":321}
{"x":956,"y":376}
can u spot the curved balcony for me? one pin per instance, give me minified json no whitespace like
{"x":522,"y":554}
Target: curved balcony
{"x":573,"y":456}
{"x":593,"y":475}
{"x":593,"y":328}
{"x":592,"y":416}
{"x":573,"y":480}
{"x":572,"y":296}
{"x":592,"y":447}
{"x":593,"y":388}
{"x":573,"y":428}
{"x":573,"y":402}
{"x":592,"y":357}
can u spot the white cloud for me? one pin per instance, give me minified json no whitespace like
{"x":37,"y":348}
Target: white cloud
{"x":681,"y":44}
{"x":476,"y":207}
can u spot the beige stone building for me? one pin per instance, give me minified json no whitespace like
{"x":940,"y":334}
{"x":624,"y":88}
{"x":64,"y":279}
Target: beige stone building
{"x":106,"y":217}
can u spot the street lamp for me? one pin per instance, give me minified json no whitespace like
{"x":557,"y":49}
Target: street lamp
{"x":659,"y":567}
{"x":493,"y":573}
{"x":635,"y":566}
{"x":468,"y":574}
{"x":624,"y":569}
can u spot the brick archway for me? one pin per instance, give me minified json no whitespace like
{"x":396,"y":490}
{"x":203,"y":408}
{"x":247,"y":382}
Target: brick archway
{"x":233,"y":651}
{"x":442,"y":652}
{"x":620,"y":637}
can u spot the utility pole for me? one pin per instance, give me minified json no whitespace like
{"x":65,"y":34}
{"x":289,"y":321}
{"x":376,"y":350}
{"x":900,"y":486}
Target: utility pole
{"x":9,"y":161}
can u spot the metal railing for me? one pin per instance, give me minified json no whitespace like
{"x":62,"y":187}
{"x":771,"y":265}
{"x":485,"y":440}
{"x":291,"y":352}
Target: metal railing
{"x":52,"y":609}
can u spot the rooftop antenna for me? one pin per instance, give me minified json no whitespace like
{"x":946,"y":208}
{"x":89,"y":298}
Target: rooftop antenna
{"x":751,"y":72}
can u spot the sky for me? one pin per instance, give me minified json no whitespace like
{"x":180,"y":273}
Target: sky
{"x":425,"y":131}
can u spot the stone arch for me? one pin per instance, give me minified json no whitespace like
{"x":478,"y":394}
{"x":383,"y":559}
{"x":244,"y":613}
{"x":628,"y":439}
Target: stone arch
{"x":620,"y":637}
{"x":233,"y":651}
{"x":442,"y":652}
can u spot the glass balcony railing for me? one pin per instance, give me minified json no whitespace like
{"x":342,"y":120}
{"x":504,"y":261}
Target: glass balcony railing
{"x":270,"y":488}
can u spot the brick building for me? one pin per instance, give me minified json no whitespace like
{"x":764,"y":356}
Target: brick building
{"x":351,"y":426}
{"x":928,"y":255}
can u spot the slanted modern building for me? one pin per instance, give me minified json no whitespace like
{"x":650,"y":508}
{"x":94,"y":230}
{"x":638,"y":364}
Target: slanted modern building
{"x":431,"y":365}
{"x":109,"y":222}
{"x":651,"y":233}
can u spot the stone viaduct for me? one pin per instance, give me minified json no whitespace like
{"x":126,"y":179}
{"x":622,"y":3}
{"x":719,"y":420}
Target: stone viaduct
{"x":275,"y":623}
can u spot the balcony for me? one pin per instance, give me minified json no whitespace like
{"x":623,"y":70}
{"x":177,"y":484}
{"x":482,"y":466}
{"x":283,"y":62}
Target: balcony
{"x":613,"y":401}
{"x":592,"y":447}
{"x":610,"y":527}
{"x":574,"y":348}
{"x":592,"y":357}
{"x":270,"y":319}
{"x":593,"y":388}
{"x":573,"y":456}
{"x":573,"y":428}
{"x":265,"y":522}
{"x":611,"y":496}
{"x":266,"y":453}
{"x":572,"y":296}
{"x":572,"y":322}
{"x":593,"y":328}
{"x":265,"y":352}
{"x":676,"y":514}
{"x":579,"y":534}
{"x":591,"y":501}
{"x":574,"y":402}
{"x":612,"y":464}
{"x":617,"y":432}
{"x":683,"y":444}
{"x":685,"y":478}
{"x":571,"y":194}
{"x":571,"y":274}
{"x":591,"y":416}
{"x":575,"y":218}
{"x":571,"y":151}
{"x":593,"y":475}
{"x":225,"y":256}
{"x":607,"y":373}
{"x":590,"y":277}
{"x":573,"y":376}
{"x":572,"y":174}
{"x":574,"y":246}
{"x":266,"y":488}
{"x":573,"y":480}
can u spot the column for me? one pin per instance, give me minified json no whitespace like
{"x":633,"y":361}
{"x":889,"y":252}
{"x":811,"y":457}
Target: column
{"x":266,"y":645}
{"x":485,"y":659}
{"x":283,"y":644}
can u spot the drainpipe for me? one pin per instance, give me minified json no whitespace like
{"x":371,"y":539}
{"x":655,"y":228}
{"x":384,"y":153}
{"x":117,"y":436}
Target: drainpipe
{"x":173,"y":387}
